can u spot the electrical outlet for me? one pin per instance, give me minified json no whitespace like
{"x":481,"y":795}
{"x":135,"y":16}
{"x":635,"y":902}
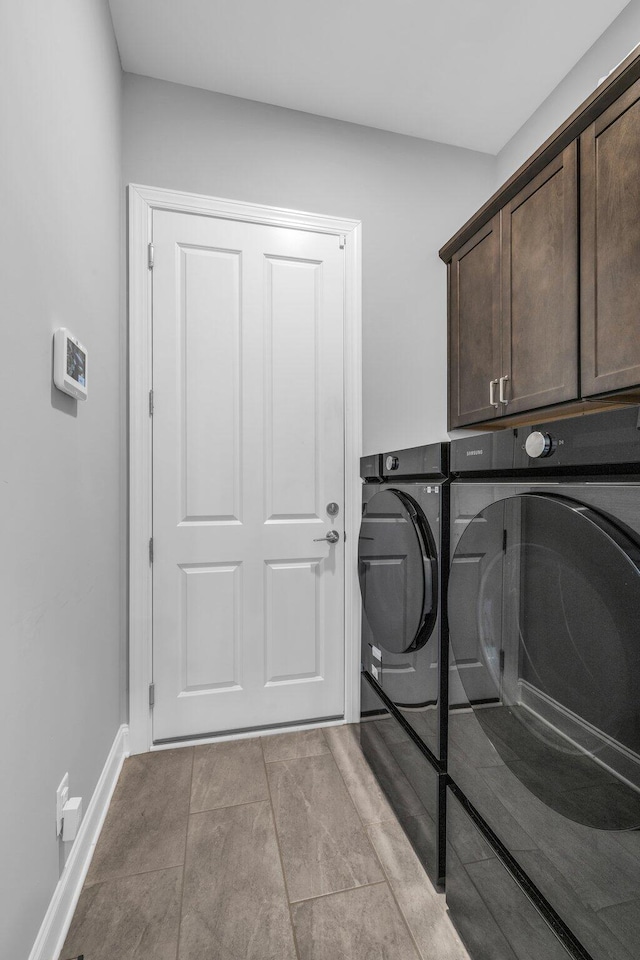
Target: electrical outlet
{"x":62,"y":795}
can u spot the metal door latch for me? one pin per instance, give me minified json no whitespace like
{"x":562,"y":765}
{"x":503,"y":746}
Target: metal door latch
{"x":332,"y":537}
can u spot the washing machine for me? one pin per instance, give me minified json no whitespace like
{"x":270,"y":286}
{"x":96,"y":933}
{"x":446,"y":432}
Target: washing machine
{"x":543,"y":801}
{"x":402,"y":553}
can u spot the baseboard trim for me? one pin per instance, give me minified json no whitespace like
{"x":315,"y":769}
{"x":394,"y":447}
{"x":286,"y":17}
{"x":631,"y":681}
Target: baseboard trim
{"x":57,"y":920}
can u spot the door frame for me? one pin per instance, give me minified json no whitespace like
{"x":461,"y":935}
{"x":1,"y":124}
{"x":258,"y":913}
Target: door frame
{"x":142,"y":201}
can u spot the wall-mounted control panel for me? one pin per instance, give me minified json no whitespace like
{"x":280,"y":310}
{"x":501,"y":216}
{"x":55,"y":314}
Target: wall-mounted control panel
{"x":70,"y":363}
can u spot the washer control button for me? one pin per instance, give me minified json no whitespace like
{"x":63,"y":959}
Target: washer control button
{"x":392,"y":463}
{"x":538,"y":444}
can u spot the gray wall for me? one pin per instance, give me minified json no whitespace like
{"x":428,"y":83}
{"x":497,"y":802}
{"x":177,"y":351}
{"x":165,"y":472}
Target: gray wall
{"x":60,"y":462}
{"x":411,"y":195}
{"x":614,"y":44}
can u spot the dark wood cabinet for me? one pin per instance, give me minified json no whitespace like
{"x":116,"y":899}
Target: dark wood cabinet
{"x":474,"y":329}
{"x":513,"y":295}
{"x":540,"y":289}
{"x":610,"y":247}
{"x":561,"y":238}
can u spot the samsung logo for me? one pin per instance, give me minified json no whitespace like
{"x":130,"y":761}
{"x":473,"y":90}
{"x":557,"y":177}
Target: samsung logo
{"x":475,"y":453}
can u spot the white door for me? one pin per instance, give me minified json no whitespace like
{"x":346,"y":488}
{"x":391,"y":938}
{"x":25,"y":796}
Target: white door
{"x":248,"y":452}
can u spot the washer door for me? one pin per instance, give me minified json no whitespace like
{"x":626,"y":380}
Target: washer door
{"x":398,"y":567}
{"x":554,"y":610}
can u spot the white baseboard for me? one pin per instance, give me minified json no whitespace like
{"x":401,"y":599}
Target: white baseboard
{"x":55,"y":925}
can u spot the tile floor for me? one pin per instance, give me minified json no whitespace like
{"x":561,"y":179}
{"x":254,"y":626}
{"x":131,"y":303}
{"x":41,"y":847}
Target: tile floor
{"x":275,"y":848}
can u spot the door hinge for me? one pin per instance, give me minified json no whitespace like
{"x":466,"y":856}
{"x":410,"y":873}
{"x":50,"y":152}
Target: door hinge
{"x":150,"y":549}
{"x":150,"y":403}
{"x":502,"y":661}
{"x":504,"y":541}
{"x":343,"y":241}
{"x":152,"y":694}
{"x":150,"y":260}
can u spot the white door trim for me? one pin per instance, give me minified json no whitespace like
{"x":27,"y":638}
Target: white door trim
{"x":142,"y":201}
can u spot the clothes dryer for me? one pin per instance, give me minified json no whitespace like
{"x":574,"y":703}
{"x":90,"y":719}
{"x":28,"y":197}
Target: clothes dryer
{"x":403,"y":543}
{"x":543,"y":806}
{"x":402,"y":553}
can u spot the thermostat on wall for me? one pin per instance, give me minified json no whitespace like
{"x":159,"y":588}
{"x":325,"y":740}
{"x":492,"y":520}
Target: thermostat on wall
{"x":69,"y":364}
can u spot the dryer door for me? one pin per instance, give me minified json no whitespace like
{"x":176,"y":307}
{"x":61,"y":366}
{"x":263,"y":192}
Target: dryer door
{"x":556,"y":617}
{"x":398,"y":568}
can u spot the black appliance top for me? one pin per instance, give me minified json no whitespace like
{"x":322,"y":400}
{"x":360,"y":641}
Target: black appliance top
{"x":430,"y":461}
{"x":598,"y":442}
{"x":483,"y":453}
{"x":371,"y":468}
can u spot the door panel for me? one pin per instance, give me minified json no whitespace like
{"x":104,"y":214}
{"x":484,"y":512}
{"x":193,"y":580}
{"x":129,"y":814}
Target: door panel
{"x":211,"y":594}
{"x":610,"y":237}
{"x":247,"y":448}
{"x":211,"y":385}
{"x":474,"y":337}
{"x":294,"y":642}
{"x":292,"y":318}
{"x":540,"y":288}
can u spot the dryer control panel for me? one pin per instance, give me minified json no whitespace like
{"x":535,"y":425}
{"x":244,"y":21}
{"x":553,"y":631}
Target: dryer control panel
{"x":416,"y":463}
{"x":598,"y":441}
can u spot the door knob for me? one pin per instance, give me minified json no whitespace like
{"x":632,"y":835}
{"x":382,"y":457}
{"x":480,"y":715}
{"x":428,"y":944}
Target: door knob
{"x":332,"y":537}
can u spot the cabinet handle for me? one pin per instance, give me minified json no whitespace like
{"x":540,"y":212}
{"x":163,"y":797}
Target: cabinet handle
{"x":503,"y":381}
{"x":492,"y":393}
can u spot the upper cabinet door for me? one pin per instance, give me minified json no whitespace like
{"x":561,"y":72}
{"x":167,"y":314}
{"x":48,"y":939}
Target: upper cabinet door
{"x":474,"y":331}
{"x":610,"y":247}
{"x":540,"y":289}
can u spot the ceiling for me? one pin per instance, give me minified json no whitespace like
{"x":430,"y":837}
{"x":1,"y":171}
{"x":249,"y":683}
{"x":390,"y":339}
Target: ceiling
{"x":464,"y":72}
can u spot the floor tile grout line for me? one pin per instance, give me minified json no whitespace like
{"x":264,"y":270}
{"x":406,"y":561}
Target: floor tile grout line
{"x":322,"y":753}
{"x":356,"y":886}
{"x":228,"y":806}
{"x":130,"y":876}
{"x":396,"y":900}
{"x":355,"y":805}
{"x":284,"y":876}
{"x":184,"y":865}
{"x":338,"y":893}
{"x":304,"y":756}
{"x":419,"y":953}
{"x":115,"y":804}
{"x":438,"y":894}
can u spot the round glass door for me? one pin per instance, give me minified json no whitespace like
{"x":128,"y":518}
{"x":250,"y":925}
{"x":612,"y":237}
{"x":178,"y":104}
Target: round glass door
{"x":398,"y":570}
{"x":544,"y":615}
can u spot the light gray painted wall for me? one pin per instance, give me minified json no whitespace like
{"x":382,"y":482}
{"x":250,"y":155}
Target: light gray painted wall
{"x":61,"y":503}
{"x":612,"y":47}
{"x":411,"y":195}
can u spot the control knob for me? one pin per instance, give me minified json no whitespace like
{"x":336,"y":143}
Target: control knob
{"x":392,"y":463}
{"x":538,"y":444}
